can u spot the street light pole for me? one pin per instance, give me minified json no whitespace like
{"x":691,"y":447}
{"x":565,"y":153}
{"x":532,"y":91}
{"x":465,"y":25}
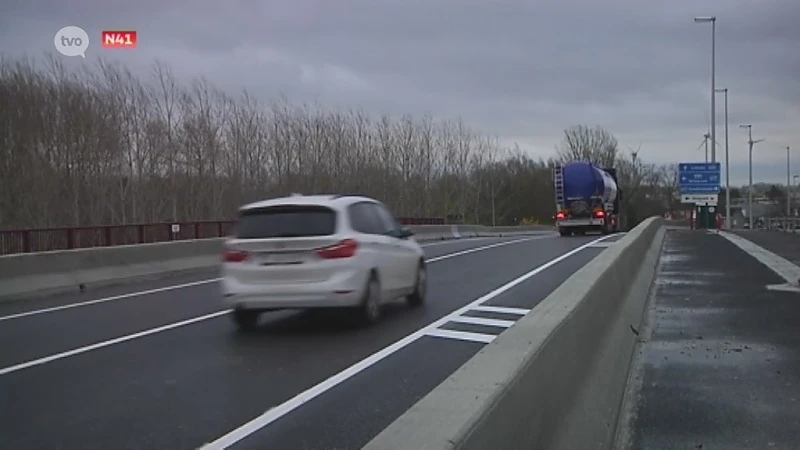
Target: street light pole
{"x":788,"y":184}
{"x":727,"y":165}
{"x":750,"y":143}
{"x":713,"y":21}
{"x":794,"y":180}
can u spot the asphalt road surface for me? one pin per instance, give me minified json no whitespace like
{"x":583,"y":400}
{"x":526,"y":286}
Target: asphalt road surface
{"x":159,"y":365}
{"x":786,"y":245}
{"x":719,"y":367}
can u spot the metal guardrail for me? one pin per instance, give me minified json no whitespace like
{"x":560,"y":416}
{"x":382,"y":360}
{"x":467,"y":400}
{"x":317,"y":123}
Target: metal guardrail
{"x":31,"y":240}
{"x":785,"y":224}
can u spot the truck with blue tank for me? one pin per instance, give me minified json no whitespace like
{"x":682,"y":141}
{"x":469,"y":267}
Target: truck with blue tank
{"x":587,"y":198}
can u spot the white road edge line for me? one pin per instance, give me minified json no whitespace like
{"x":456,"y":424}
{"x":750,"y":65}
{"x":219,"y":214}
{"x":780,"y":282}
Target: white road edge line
{"x":453,"y":241}
{"x":118,"y":340}
{"x":502,"y":309}
{"x":309,"y":394}
{"x":213,"y":280}
{"x":778,"y":264}
{"x":107,"y":299}
{"x":462,"y":335}
{"x":482,"y":248}
{"x":483,"y":321}
{"x":77,"y":351}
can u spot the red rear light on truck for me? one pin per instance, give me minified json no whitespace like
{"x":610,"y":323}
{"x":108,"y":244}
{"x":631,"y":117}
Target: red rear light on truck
{"x":344,"y":249}
{"x":599,"y":214}
{"x":561,"y":216}
{"x":234,"y":256}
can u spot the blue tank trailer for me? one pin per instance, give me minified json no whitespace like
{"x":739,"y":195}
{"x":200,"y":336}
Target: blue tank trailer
{"x":587,"y":199}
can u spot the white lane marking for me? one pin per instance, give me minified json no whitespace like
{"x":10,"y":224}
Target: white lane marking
{"x":602,"y":245}
{"x":77,"y":351}
{"x":502,"y":309}
{"x":485,"y":247}
{"x":107,"y":299}
{"x":309,"y":394}
{"x":150,"y":331}
{"x":213,"y":280}
{"x":462,"y":335}
{"x":778,"y":264}
{"x":483,"y":321}
{"x":455,"y":241}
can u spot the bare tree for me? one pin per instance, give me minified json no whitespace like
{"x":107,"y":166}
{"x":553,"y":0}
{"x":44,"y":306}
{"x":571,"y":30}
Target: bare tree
{"x":595,"y":145}
{"x":100,"y":146}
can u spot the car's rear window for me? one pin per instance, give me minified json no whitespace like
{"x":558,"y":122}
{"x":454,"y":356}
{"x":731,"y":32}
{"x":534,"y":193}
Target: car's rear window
{"x":286,"y":221}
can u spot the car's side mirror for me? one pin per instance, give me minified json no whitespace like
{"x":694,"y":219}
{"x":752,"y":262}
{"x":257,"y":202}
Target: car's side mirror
{"x":404,"y":233}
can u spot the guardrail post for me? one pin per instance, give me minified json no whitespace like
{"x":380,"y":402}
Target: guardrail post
{"x":169,"y":232}
{"x":219,"y":229}
{"x":107,"y":237}
{"x":140,"y":233}
{"x":26,"y":242}
{"x":197,"y":230}
{"x":70,"y":238}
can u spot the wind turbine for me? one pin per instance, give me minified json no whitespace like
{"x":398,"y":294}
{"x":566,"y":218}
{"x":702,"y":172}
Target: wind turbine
{"x":706,"y":138}
{"x":705,"y":143}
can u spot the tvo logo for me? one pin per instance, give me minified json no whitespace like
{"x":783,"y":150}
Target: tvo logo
{"x":71,"y":41}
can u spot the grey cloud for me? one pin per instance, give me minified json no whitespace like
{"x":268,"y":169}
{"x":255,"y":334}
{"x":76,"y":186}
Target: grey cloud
{"x":520,"y":70}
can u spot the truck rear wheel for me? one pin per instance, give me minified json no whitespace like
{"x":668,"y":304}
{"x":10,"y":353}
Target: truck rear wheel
{"x":564,"y":232}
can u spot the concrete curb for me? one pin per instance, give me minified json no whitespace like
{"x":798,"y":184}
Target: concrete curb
{"x":556,"y":378}
{"x":37,"y":274}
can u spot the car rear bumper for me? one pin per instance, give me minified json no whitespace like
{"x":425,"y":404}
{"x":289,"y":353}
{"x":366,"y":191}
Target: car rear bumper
{"x":328,"y":294}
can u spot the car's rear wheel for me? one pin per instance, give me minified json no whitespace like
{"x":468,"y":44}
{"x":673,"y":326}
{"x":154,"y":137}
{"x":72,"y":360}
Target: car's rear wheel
{"x":370,"y":309}
{"x":417,"y":297}
{"x":245,"y":319}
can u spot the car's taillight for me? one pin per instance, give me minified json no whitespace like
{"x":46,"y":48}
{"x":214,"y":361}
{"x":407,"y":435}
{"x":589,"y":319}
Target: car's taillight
{"x":233,"y":256}
{"x":561,"y":216}
{"x":599,"y":214}
{"x":344,"y":249}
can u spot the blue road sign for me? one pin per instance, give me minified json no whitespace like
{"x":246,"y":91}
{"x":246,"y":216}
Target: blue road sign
{"x":699,"y":178}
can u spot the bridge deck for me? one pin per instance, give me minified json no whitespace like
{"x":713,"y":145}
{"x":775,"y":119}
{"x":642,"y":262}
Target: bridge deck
{"x":720,"y":366}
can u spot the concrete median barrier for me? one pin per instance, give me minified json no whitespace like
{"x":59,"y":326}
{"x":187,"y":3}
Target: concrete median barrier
{"x":35,"y":274}
{"x":554,"y":380}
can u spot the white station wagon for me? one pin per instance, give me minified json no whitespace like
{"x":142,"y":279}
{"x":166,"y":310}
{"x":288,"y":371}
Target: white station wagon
{"x":319,"y":251}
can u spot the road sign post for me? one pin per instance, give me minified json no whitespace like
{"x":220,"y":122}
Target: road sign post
{"x":699,"y":185}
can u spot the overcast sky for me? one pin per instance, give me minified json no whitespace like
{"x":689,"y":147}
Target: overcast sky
{"x":522,"y":70}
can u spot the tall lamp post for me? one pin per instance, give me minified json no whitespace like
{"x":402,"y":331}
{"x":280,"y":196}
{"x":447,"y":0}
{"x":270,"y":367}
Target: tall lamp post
{"x":713,"y":21}
{"x":794,"y":180}
{"x":750,"y":143}
{"x":727,"y":165}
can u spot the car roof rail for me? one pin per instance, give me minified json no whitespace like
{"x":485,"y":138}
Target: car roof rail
{"x":333,"y":197}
